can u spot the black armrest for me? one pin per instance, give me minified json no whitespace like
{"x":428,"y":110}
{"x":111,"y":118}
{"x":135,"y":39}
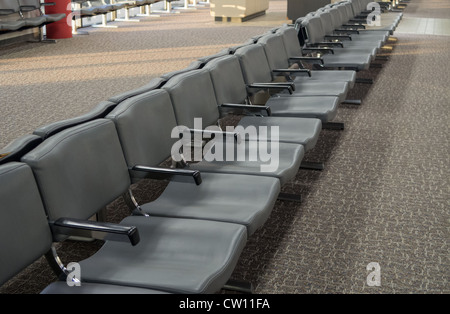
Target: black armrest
{"x":338,"y":37}
{"x":359,"y":21}
{"x":243,"y":108}
{"x":293,"y":71}
{"x":308,"y":59}
{"x":64,"y":227}
{"x":327,"y":43}
{"x":167,"y":173}
{"x":289,"y":86}
{"x":354,"y":26}
{"x":348,"y":30}
{"x":318,"y":49}
{"x":235,"y":135}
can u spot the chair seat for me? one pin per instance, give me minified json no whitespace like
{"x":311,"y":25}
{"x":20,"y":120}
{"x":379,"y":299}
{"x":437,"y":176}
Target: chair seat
{"x":347,"y":60}
{"x":240,"y":199}
{"x":304,"y":131}
{"x":54,"y":17}
{"x":329,"y":76}
{"x":288,"y":162}
{"x":11,"y":25}
{"x":316,"y":88}
{"x":174,"y":255}
{"x":323,"y":108}
{"x":35,"y":21}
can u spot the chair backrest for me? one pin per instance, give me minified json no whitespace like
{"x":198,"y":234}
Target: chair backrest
{"x":19,"y":147}
{"x":275,"y":51}
{"x":144,"y":124}
{"x":29,"y":5}
{"x":335,"y":17}
{"x":227,"y":78}
{"x":356,"y":7}
{"x":345,"y":12}
{"x":327,"y":23}
{"x":314,"y":30}
{"x":254,"y":64}
{"x":192,"y":96}
{"x":24,"y":231}
{"x":291,"y":42}
{"x":99,"y":111}
{"x":80,"y":170}
{"x":9,"y":6}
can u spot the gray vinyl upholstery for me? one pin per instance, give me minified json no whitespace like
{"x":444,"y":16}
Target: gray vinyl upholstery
{"x":67,"y":169}
{"x":174,"y":255}
{"x":229,"y":87}
{"x":292,"y":49}
{"x":247,"y":200}
{"x":199,"y":102}
{"x":256,"y":69}
{"x":26,"y":235}
{"x":192,"y":95}
{"x":354,"y":45}
{"x":24,"y":232}
{"x":278,"y":58}
{"x":82,"y":169}
{"x":358,"y":60}
{"x":144,"y":125}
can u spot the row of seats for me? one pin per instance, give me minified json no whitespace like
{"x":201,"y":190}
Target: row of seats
{"x":190,"y":238}
{"x":83,"y":8}
{"x":12,"y":15}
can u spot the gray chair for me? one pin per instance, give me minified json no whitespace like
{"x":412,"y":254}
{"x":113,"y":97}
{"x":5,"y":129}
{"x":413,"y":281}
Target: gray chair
{"x":144,"y":124}
{"x":292,"y":48}
{"x":256,"y":69}
{"x":314,"y":103}
{"x":82,"y":169}
{"x":352,"y":13}
{"x":356,"y":32}
{"x":371,"y":44}
{"x":283,"y":66}
{"x":26,"y":234}
{"x":16,"y":21}
{"x":192,"y":96}
{"x":11,"y":19}
{"x":230,"y":88}
{"x":311,"y":36}
{"x":32,"y":5}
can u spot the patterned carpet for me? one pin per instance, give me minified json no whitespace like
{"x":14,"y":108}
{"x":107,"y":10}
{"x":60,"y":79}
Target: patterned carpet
{"x":384,"y":196}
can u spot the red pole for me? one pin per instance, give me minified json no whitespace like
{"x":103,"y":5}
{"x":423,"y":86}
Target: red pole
{"x":62,"y":28}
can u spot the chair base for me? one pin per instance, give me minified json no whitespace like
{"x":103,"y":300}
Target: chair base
{"x":333,"y":126}
{"x":290,"y":197}
{"x":308,"y":165}
{"x":352,"y":102}
{"x":239,"y":286}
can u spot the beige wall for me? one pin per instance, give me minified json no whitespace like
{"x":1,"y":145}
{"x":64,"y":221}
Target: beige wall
{"x":237,"y":8}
